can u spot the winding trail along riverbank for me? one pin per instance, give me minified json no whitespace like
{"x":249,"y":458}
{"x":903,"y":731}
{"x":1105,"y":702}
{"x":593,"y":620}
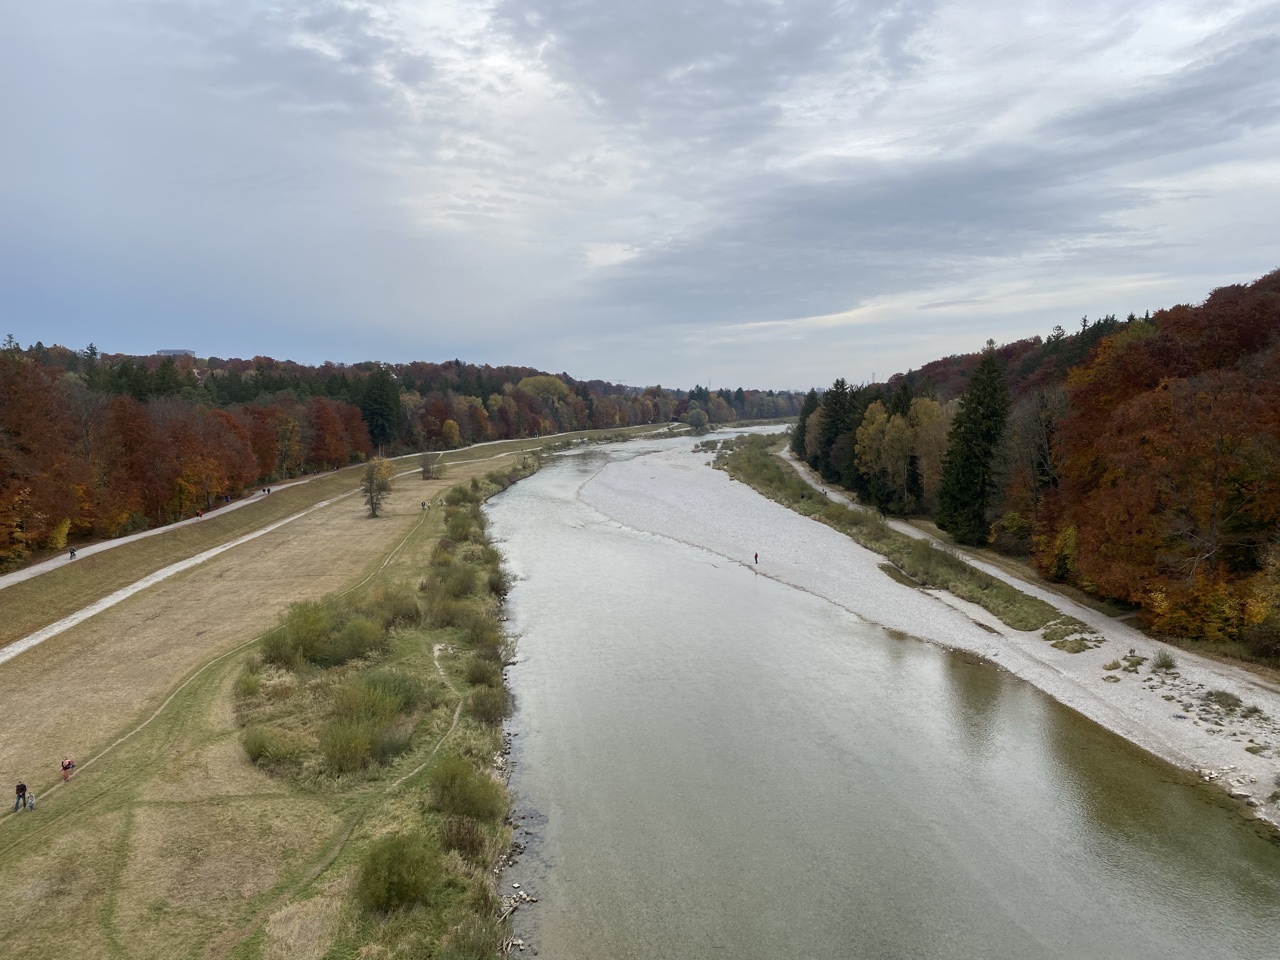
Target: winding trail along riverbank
{"x":1164,"y":714}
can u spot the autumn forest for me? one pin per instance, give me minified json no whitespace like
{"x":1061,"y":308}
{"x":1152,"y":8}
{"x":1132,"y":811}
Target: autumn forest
{"x":1136,"y":459}
{"x":95,"y":446}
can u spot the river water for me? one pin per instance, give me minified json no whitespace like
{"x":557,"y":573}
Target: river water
{"x":714,"y":759}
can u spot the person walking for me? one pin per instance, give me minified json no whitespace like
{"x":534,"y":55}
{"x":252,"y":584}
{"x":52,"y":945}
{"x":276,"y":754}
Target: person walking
{"x":73,"y":553}
{"x":757,"y":560}
{"x":20,"y":798}
{"x":67,"y":766}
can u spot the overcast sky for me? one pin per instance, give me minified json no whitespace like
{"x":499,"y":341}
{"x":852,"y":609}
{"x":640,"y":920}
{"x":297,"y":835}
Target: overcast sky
{"x":765,"y":193}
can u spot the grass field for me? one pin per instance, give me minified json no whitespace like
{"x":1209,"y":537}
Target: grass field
{"x":168,"y":841}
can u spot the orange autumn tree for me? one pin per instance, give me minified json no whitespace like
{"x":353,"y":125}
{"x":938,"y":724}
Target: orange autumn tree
{"x":1169,"y":461}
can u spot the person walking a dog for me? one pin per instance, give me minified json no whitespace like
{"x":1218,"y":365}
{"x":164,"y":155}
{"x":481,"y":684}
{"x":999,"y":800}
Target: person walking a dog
{"x":20,"y":799}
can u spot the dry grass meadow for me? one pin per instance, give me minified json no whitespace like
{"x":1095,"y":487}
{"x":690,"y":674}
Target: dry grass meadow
{"x":168,"y":841}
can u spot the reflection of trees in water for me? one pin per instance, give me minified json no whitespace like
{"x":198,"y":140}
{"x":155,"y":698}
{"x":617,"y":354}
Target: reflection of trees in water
{"x":1145,"y":816}
{"x":974,"y":690}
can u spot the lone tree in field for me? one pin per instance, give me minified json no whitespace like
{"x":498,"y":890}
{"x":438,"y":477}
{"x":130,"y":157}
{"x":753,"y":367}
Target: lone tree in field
{"x":968,"y":484}
{"x":376,"y":483}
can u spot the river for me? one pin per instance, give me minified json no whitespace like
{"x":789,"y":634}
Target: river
{"x":713,"y":758}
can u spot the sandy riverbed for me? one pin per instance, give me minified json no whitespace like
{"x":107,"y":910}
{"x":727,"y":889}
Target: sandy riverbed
{"x":1164,"y":713}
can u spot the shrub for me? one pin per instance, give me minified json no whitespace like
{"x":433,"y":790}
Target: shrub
{"x":482,"y":673}
{"x":403,"y":689}
{"x":457,"y":789}
{"x":396,"y":605}
{"x":347,"y":745}
{"x":1163,"y":660}
{"x":488,"y":704}
{"x":498,"y":582}
{"x":476,"y":938}
{"x":277,"y":650}
{"x":264,"y":745}
{"x":391,"y":741}
{"x":397,"y":872}
{"x":358,"y":637}
{"x":464,"y":835}
{"x":459,"y":527}
{"x":360,"y":701}
{"x":306,"y":625}
{"x":249,"y":683}
{"x":456,"y":580}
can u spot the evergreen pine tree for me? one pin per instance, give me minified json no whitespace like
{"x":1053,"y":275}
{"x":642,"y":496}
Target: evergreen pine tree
{"x":967,"y":481}
{"x":797,"y":434}
{"x":380,"y":407}
{"x":835,"y":421}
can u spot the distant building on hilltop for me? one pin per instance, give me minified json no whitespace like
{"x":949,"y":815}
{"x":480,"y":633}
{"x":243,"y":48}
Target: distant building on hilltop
{"x":175,"y":353}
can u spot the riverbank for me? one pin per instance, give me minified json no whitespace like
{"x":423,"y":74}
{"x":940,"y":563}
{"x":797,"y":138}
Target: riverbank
{"x":1214,"y":719}
{"x":1211,"y":718}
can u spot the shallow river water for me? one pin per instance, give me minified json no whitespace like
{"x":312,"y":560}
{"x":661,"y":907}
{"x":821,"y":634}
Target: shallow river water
{"x":713,"y":762}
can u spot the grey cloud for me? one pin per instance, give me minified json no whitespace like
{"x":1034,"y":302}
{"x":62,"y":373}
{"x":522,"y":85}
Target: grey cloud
{"x":707,"y":71}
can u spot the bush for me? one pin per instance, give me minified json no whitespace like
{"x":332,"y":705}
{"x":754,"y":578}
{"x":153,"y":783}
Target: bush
{"x":464,"y":835}
{"x":498,"y":582}
{"x":456,"y":580}
{"x":1163,"y":660}
{"x":249,"y":683}
{"x":395,"y":605}
{"x":459,"y":527}
{"x":391,"y":741}
{"x":488,"y":704}
{"x":307,"y":625}
{"x":482,"y":673}
{"x":360,"y":701}
{"x":457,"y":789}
{"x":347,"y":745}
{"x":266,"y":746}
{"x":358,"y":637}
{"x":403,"y":689}
{"x":476,"y":938}
{"x":277,"y":650}
{"x":397,"y":872}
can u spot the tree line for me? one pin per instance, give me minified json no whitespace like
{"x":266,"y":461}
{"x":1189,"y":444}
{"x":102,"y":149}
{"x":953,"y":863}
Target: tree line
{"x":1138,"y":460}
{"x":95,"y":446}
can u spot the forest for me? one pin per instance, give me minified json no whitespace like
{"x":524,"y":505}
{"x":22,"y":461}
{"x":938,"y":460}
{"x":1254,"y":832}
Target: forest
{"x":94,"y":446}
{"x":1137,"y":460}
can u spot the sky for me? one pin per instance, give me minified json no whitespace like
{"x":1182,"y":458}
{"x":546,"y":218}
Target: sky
{"x":756,"y":193}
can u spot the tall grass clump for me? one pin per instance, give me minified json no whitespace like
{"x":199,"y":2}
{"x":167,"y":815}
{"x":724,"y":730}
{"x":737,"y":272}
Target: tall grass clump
{"x":457,"y":789}
{"x":397,"y":872}
{"x":347,"y":745}
{"x":482,"y":673}
{"x":488,"y":704}
{"x":266,"y":746}
{"x":358,"y":637}
{"x":476,"y":938}
{"x":465,"y":835}
{"x":1163,"y":660}
{"x":402,"y":689}
{"x":394,"y":606}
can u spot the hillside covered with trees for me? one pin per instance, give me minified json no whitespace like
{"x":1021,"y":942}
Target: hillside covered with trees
{"x":95,"y":446}
{"x":1138,"y":460}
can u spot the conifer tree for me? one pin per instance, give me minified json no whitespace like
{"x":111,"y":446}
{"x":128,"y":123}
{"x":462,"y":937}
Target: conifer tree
{"x":797,"y":434}
{"x":967,"y":475}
